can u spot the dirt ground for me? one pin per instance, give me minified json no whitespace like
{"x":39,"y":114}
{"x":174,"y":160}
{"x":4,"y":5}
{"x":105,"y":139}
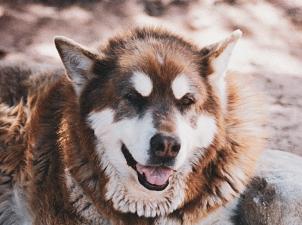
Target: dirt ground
{"x":270,"y":51}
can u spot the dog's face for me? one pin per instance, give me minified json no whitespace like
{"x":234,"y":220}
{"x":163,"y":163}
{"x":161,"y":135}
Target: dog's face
{"x":155,"y":119}
{"x":152,"y":101}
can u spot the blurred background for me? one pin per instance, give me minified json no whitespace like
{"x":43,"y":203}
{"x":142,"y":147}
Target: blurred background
{"x":270,"y":52}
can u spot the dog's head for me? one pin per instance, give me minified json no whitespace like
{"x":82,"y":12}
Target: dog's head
{"x":153,"y":101}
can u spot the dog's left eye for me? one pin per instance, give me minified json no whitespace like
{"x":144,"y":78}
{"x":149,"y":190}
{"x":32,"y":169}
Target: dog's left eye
{"x":187,"y":100}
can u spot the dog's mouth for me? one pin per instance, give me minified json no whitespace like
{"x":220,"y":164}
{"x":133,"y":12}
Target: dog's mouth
{"x":154,"y":178}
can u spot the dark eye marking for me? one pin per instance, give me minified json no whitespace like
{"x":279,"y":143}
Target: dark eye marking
{"x":187,"y":100}
{"x":135,"y":98}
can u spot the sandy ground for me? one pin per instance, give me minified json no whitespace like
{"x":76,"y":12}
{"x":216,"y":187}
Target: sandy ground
{"x":270,"y":51}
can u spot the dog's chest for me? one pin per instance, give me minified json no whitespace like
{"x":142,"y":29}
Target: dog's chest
{"x":85,"y":209}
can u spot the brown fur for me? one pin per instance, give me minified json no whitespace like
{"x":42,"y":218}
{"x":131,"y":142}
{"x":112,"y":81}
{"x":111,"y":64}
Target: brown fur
{"x":45,"y":133}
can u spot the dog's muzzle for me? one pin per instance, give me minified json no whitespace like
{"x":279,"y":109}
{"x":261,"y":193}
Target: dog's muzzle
{"x":152,"y":177}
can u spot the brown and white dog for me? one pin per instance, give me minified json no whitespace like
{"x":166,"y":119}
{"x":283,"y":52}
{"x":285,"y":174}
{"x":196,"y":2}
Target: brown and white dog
{"x":150,"y":130}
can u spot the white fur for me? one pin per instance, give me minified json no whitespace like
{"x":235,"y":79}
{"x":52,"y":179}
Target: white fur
{"x":101,"y":121}
{"x":20,"y":207}
{"x":220,"y":87}
{"x":193,"y":140}
{"x":135,"y":133}
{"x":142,"y":83}
{"x":137,"y":199}
{"x":221,"y":62}
{"x":180,"y":86}
{"x":227,"y":192}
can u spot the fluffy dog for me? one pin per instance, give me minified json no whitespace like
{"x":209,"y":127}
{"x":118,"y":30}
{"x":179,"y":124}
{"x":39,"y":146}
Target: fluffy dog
{"x":150,"y":130}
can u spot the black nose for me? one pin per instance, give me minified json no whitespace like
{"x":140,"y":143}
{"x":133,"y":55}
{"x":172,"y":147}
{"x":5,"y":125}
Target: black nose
{"x":164,"y":146}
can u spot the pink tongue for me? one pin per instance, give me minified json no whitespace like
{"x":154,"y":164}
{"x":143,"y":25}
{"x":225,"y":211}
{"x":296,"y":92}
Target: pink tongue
{"x":155,"y":175}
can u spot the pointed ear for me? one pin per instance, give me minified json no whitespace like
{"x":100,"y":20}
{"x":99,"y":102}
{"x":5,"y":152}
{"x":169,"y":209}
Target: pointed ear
{"x":77,"y":61}
{"x":218,"y":55}
{"x":216,"y":58}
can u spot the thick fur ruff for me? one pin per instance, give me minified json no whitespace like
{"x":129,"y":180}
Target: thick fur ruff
{"x":55,"y":171}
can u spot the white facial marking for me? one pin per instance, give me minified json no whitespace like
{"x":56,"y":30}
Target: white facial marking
{"x":194,"y":139}
{"x":180,"y":86}
{"x":101,"y":121}
{"x":142,"y":83}
{"x":135,"y":133}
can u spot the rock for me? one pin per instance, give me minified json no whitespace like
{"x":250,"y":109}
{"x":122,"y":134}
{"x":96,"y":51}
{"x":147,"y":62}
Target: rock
{"x":158,"y":7}
{"x":154,"y":7}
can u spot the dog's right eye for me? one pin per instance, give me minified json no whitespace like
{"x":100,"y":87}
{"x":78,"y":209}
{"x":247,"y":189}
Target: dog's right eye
{"x":134,"y":97}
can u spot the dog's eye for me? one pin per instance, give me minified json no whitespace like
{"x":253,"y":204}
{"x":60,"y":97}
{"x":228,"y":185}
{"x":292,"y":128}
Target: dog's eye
{"x":133,"y":97}
{"x":187,"y":100}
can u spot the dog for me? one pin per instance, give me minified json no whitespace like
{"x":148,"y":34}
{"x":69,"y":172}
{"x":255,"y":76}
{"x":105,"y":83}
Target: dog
{"x":151,"y":129}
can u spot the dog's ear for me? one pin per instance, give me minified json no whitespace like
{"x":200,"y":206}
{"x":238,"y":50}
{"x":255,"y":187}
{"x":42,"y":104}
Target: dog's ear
{"x":77,"y":61}
{"x":215,"y":59}
{"x":217,"y":55}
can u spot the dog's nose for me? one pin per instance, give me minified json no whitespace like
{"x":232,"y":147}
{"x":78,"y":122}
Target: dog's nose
{"x":164,"y":146}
